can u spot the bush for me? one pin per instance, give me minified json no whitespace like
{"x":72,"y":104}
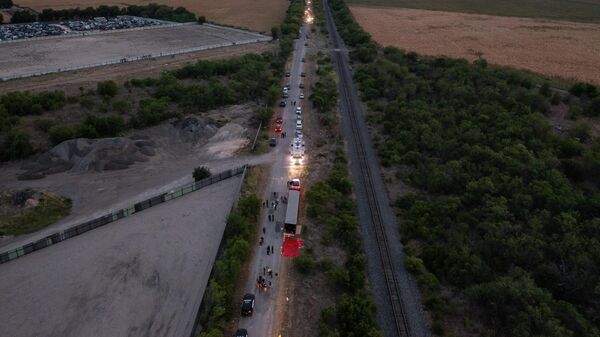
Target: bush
{"x":201,"y":172}
{"x":305,"y":263}
{"x":96,"y":127}
{"x":23,"y":17}
{"x":107,"y":88}
{"x":15,"y":145}
{"x":59,"y":133}
{"x":43,"y":124}
{"x":151,"y":111}
{"x":201,"y":20}
{"x":593,"y":108}
{"x":122,"y":106}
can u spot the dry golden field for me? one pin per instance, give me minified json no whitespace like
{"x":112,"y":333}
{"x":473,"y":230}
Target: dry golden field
{"x":556,"y":48}
{"x":257,"y":15}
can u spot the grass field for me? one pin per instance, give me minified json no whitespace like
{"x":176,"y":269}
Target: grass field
{"x":52,"y":207}
{"x":571,"y":10}
{"x":257,"y":15}
{"x":568,"y":50}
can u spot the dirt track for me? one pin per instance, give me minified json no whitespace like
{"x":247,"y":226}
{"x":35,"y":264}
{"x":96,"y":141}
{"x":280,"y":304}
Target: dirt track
{"x":71,"y":81}
{"x":555,"y":48}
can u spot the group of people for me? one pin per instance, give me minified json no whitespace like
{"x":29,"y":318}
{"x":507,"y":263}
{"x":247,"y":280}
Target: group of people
{"x":261,"y":281}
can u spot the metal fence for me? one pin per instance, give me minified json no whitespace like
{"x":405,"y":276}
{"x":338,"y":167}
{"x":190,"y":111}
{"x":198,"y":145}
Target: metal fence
{"x":114,"y":216}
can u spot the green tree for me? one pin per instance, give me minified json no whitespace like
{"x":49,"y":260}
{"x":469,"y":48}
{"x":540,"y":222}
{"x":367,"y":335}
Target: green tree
{"x":23,"y":17}
{"x":107,"y":88}
{"x":16,"y":145}
{"x":61,"y":132}
{"x":6,"y":3}
{"x":275,"y":32}
{"x":201,"y":172}
{"x":201,"y":20}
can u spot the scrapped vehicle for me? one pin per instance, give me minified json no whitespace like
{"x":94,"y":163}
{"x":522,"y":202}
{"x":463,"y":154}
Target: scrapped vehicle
{"x":248,"y":305}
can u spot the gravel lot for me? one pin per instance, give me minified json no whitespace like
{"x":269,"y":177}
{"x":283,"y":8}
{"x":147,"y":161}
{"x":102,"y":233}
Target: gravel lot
{"x":142,"y":276}
{"x":51,"y":54}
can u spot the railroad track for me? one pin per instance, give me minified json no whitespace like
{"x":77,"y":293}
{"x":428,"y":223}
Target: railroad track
{"x":392,"y":284}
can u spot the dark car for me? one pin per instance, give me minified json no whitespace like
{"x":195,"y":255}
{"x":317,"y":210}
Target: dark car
{"x":272,"y":142}
{"x":241,"y":333}
{"x":303,"y":74}
{"x":305,"y":44}
{"x":301,"y":86}
{"x":282,"y":104}
{"x":287,"y":74}
{"x":248,"y":301}
{"x":303,"y":60}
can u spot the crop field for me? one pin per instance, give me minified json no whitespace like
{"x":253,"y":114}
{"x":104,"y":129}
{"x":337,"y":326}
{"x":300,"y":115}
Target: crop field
{"x":52,"y":54}
{"x":257,"y":15}
{"x":570,"y":10}
{"x":562,"y":49}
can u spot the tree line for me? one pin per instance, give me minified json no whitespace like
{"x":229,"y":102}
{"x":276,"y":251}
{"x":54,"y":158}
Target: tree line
{"x":505,"y":211}
{"x":153,"y":10}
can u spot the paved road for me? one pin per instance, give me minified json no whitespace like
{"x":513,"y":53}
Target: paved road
{"x":410,"y":295}
{"x":267,"y":317}
{"x":144,"y":275}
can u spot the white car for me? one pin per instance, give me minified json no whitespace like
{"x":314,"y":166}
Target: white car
{"x":298,"y":110}
{"x":298,"y":125}
{"x":301,"y":96}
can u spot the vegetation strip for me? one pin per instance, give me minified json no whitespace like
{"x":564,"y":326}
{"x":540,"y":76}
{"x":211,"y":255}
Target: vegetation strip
{"x":328,"y":202}
{"x":504,"y":211}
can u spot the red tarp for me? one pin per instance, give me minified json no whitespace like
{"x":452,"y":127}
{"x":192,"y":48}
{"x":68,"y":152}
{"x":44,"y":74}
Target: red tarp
{"x":291,"y":247}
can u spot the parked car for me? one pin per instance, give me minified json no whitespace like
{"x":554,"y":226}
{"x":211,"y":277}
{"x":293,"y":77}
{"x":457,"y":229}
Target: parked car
{"x":241,"y":333}
{"x":273,"y":142}
{"x":282,"y":104}
{"x":298,"y":125}
{"x":303,"y":74}
{"x":303,"y":60}
{"x":301,"y":96}
{"x":279,"y":120}
{"x":248,"y":300}
{"x":298,"y":110}
{"x":301,"y":86}
{"x":285,"y":94}
{"x":287,"y":74}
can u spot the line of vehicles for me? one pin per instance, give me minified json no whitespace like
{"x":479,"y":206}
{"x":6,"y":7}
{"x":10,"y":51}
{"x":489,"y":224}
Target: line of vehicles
{"x":292,"y":199}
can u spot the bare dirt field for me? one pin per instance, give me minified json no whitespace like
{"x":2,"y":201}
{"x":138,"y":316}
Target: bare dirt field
{"x":87,"y":78}
{"x":257,"y":15}
{"x":54,"y":54}
{"x":144,"y":275}
{"x":555,"y":48}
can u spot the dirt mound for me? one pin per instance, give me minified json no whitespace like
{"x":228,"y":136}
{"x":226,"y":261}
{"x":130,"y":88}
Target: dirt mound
{"x":82,"y":154}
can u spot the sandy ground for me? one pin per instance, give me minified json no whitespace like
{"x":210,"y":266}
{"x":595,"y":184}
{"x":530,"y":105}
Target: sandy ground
{"x":54,"y":54}
{"x":257,"y":15}
{"x":555,"y":48}
{"x":141,"y":276}
{"x":71,"y":81}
